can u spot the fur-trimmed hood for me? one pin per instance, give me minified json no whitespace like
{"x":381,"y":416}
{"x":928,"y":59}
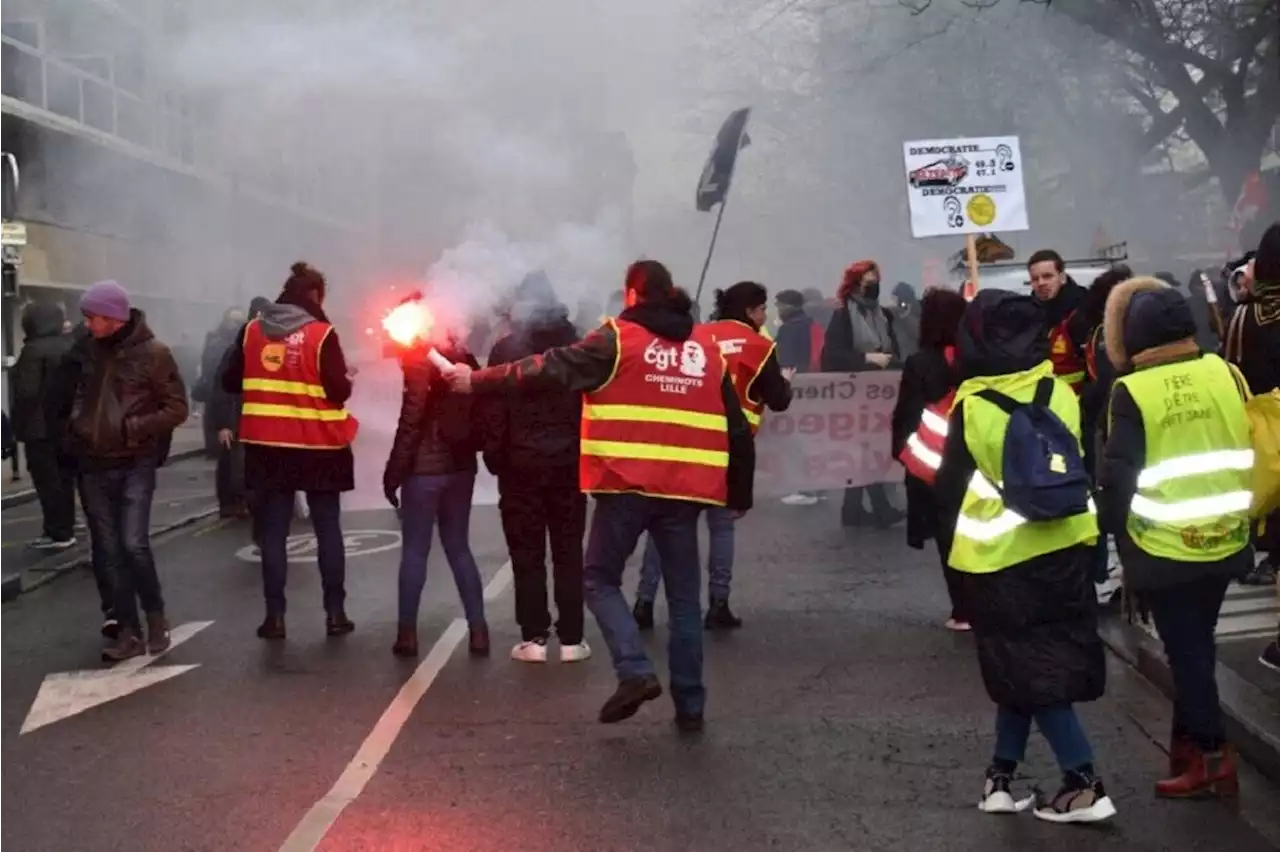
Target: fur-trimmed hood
{"x":1160,"y":327}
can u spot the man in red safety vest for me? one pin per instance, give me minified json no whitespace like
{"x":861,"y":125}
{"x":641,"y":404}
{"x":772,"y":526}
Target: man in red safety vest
{"x":1067,"y":328}
{"x":663,"y":437}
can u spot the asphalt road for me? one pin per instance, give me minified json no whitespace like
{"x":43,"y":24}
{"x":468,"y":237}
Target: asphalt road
{"x":842,"y":716}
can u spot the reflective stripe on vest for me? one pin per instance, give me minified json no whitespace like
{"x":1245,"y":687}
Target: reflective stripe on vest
{"x":922,"y":453}
{"x":658,"y":426}
{"x":989,"y":536}
{"x":284,"y":402}
{"x":745,"y":352}
{"x":1067,"y":363}
{"x":1194,"y":494}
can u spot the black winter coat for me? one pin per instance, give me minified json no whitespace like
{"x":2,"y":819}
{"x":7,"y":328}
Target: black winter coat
{"x":838,"y":352}
{"x":35,"y":370}
{"x":437,"y":433}
{"x":926,"y":378}
{"x":533,"y":427}
{"x":1035,"y":623}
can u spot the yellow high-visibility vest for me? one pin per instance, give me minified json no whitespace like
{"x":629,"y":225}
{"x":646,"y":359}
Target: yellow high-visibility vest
{"x":990,"y":536}
{"x":1194,"y":491}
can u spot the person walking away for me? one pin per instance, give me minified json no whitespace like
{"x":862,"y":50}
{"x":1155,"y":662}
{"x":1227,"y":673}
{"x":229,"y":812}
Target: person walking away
{"x":758,"y":380}
{"x":1067,"y":329}
{"x":906,"y":319}
{"x":226,"y":335}
{"x":532,"y":447}
{"x":1025,"y":548}
{"x":919,"y":423}
{"x":43,"y":349}
{"x":1094,"y":394}
{"x":799,"y":350}
{"x":663,"y":436}
{"x":1174,"y":488}
{"x":222,"y":414}
{"x":1253,"y":345}
{"x":429,"y":477}
{"x":127,"y":402}
{"x":860,"y":336}
{"x":290,"y":372}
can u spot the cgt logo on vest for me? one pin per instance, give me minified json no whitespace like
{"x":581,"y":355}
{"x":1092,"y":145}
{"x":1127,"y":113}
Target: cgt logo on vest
{"x":690,"y":360}
{"x":273,"y":355}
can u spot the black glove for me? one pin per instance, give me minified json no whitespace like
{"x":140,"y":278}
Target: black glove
{"x":390,"y":489}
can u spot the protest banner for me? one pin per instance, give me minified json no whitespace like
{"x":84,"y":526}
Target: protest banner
{"x":835,"y":435}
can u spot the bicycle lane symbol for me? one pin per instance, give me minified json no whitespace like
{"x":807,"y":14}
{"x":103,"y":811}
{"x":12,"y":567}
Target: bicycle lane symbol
{"x":302,"y":547}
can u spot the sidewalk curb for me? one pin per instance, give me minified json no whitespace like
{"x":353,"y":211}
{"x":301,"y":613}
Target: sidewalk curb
{"x":16,"y":585}
{"x":1251,"y":715}
{"x":28,"y":495}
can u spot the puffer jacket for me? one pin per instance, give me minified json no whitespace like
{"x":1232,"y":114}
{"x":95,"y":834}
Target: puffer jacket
{"x":129,"y":398}
{"x":1150,"y":322}
{"x":33,"y":373}
{"x":1035,"y":623}
{"x":436,"y":434}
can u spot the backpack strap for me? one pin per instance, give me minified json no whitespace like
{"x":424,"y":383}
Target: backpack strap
{"x":1044,"y":392}
{"x":1007,"y":404}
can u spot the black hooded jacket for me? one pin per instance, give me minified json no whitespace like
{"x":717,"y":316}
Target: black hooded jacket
{"x":1034,"y":622}
{"x":588,"y":364}
{"x":537,"y":427}
{"x":34,"y":372}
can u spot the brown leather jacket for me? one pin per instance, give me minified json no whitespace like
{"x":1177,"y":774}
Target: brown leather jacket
{"x":130,"y":397}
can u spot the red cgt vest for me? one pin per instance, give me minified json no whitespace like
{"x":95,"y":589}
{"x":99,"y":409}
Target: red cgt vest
{"x":922,"y":454}
{"x":1067,"y":363}
{"x":284,"y":401}
{"x":745,"y":350}
{"x":658,"y":426}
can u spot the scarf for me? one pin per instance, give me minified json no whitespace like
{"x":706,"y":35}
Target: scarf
{"x":870,"y":327}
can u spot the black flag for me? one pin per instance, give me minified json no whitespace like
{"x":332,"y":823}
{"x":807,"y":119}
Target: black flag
{"x":713,"y":186}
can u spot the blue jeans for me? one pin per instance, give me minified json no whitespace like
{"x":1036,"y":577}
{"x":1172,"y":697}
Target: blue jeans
{"x":117,"y":505}
{"x":1186,"y":615}
{"x":275,"y":515}
{"x":719,"y":559}
{"x":1060,"y":726}
{"x":616,"y":525}
{"x":425,"y":501}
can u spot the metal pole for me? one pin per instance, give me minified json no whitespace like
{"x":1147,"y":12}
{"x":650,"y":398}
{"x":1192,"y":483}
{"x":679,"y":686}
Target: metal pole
{"x":10,"y":291}
{"x":710,"y":251}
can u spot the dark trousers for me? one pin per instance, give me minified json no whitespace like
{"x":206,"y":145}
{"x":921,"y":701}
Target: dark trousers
{"x":117,"y":504}
{"x":229,"y":477}
{"x":616,"y":525}
{"x":535,"y":505}
{"x":55,"y":487}
{"x":98,"y":562}
{"x":851,"y":511}
{"x":954,"y":579}
{"x":274,"y":514}
{"x":1185,"y":616}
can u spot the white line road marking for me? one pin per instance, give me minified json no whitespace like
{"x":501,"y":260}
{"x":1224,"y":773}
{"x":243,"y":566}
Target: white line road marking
{"x":311,"y":831}
{"x":66,"y":694}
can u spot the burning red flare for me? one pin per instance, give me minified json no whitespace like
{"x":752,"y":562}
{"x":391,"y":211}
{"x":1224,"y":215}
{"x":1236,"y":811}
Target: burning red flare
{"x":409,"y":323}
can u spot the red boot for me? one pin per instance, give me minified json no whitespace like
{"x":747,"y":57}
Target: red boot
{"x":1207,"y":774}
{"x":1181,"y":752}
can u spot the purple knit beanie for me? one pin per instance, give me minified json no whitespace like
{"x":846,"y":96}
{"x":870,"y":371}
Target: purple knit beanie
{"x":106,"y":299}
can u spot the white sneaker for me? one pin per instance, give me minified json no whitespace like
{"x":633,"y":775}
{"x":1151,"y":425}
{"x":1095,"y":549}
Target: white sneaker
{"x":799,"y":499}
{"x":575,"y":653}
{"x":997,"y":797}
{"x":533,"y":651}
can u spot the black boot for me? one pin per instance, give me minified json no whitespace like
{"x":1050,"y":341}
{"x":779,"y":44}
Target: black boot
{"x":643,"y":612}
{"x":627,"y":698}
{"x":719,"y":616}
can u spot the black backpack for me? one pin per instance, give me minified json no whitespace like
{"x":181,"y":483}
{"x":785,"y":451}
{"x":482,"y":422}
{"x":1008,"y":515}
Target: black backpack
{"x":1044,"y":474}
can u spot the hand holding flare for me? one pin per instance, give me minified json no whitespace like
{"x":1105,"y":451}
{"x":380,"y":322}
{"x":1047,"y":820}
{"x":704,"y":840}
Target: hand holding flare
{"x":410,"y":322}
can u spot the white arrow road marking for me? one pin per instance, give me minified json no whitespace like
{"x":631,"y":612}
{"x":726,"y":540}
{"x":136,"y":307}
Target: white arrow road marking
{"x":65,"y":694}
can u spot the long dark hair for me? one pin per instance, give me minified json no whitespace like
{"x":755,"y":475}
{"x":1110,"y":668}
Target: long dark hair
{"x":1095,"y":300}
{"x":940,"y":313}
{"x":733,"y":304}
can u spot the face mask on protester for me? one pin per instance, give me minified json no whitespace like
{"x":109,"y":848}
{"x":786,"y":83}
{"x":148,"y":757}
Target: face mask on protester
{"x":871,"y":291}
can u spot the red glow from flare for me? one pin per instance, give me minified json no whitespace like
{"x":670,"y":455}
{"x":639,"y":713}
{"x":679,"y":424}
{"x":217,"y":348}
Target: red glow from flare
{"x":408,"y":323}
